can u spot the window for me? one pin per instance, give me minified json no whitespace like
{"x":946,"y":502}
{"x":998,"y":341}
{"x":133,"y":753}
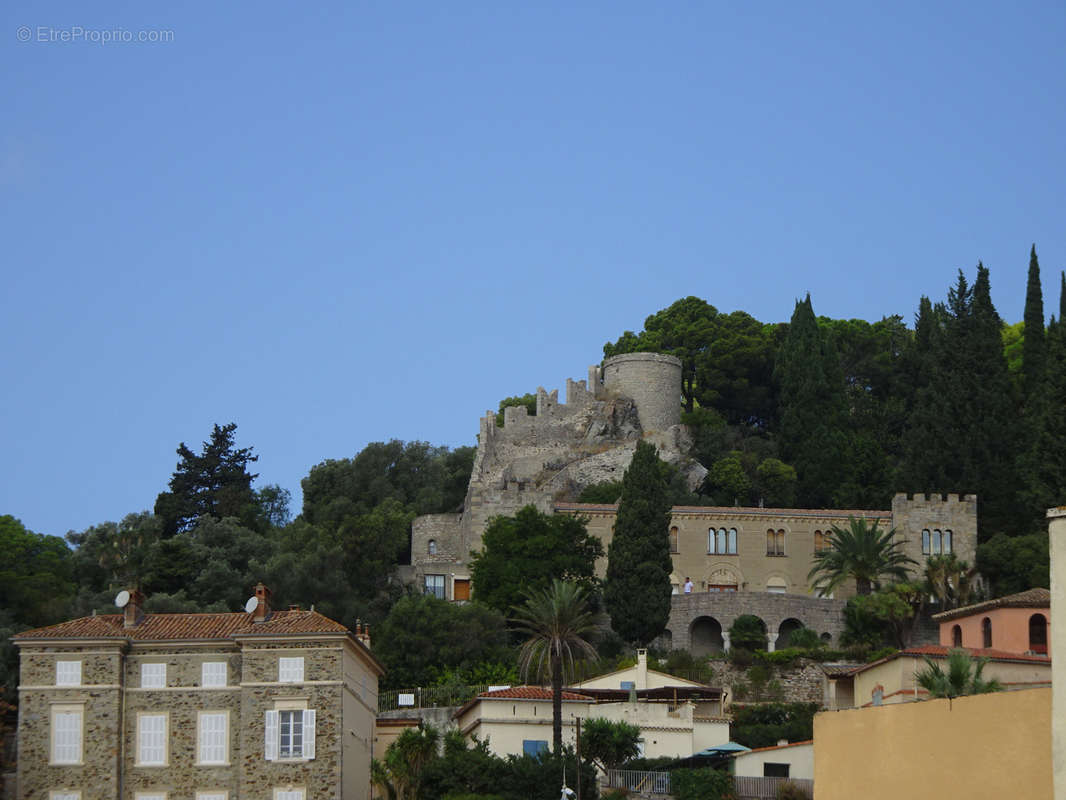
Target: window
{"x":211,"y":796}
{"x":213,"y":737}
{"x":926,"y":548}
{"x":722,"y":542}
{"x":66,"y":734}
{"x":291,"y":670}
{"x":290,"y":733}
{"x":673,"y":539}
{"x":153,"y":676}
{"x":775,"y":542}
{"x":435,"y":586}
{"x":986,"y":632}
{"x":821,"y":541}
{"x":289,"y":794}
{"x":956,"y":636}
{"x":936,"y":542}
{"x":213,"y":674}
{"x":534,"y":747}
{"x":151,"y":740}
{"x":776,"y":586}
{"x":627,"y":685}
{"x":947,"y":541}
{"x":431,"y":548}
{"x":771,"y":770}
{"x":68,"y":673}
{"x":64,"y":796}
{"x":150,"y":796}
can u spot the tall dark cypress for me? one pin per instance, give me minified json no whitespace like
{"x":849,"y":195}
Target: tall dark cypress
{"x":637,"y":591}
{"x":1033,"y":346}
{"x":812,"y":409}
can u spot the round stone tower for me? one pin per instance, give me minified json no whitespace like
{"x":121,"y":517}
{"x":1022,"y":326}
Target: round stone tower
{"x":652,"y":381}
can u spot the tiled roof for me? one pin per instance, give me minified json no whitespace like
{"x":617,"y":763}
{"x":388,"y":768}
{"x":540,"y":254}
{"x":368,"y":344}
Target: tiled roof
{"x":776,"y":747}
{"x":1030,"y":598}
{"x":940,"y":651}
{"x":842,"y":513}
{"x":176,"y":627}
{"x":531,"y":693}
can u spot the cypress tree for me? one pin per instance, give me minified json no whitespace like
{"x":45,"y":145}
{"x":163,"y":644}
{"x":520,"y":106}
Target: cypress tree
{"x":1033,"y":346}
{"x":812,"y":409}
{"x":637,"y":591}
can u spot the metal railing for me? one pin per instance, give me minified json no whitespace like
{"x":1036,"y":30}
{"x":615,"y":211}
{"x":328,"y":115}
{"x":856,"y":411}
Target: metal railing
{"x":428,"y":697}
{"x":638,"y":781}
{"x":766,"y":788}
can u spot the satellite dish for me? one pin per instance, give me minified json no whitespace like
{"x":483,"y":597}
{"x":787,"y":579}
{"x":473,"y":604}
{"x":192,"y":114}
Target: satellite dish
{"x":252,"y":604}
{"x":122,"y":599}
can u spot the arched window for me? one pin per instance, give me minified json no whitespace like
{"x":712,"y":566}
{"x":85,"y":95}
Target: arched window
{"x":1038,"y":634}
{"x":925,"y":542}
{"x":771,"y":543}
{"x":732,"y":543}
{"x":431,"y":548}
{"x":722,"y":542}
{"x":936,"y":542}
{"x":673,"y":539}
{"x":956,"y":636}
{"x":947,"y":541}
{"x":986,"y":632}
{"x":819,"y":541}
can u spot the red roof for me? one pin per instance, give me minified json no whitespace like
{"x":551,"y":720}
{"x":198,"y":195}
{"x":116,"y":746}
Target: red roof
{"x":776,"y":747}
{"x":174,"y":627}
{"x":1030,"y":598}
{"x":530,"y":693}
{"x":842,"y":513}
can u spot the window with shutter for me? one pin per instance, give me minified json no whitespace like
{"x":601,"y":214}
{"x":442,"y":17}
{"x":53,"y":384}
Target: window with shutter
{"x":290,"y":734}
{"x":213,"y":737}
{"x":289,"y":794}
{"x":270,"y":745}
{"x":153,"y":676}
{"x":291,"y":670}
{"x":213,"y":674}
{"x":66,"y":734}
{"x":68,"y":673}
{"x":152,"y":740}
{"x":211,"y":796}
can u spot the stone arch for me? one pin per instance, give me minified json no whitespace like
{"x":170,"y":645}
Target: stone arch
{"x":785,"y":631}
{"x":705,"y":636}
{"x":723,"y":578}
{"x":777,"y":583}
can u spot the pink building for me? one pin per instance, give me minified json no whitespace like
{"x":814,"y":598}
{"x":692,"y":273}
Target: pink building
{"x":1017,"y":623}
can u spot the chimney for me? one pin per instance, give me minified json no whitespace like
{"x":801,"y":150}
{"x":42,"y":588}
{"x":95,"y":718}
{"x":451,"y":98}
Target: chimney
{"x":262,"y":611}
{"x":133,"y":613}
{"x":642,"y":669}
{"x":782,"y":742}
{"x":362,"y":633}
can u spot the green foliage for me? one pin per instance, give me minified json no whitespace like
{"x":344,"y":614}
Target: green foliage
{"x":609,"y":744}
{"x":529,"y":401}
{"x":791,"y":791}
{"x":400,"y":774}
{"x":1015,"y":563}
{"x":557,"y":624}
{"x":637,"y":591}
{"x":216,"y":484}
{"x":862,"y":553}
{"x":748,"y":632}
{"x":729,"y":481}
{"x":701,"y":784}
{"x":422,"y":635}
{"x":805,"y":639}
{"x":951,"y":581}
{"x":775,"y":483}
{"x":888,"y":614}
{"x":766,"y":724}
{"x":1033,"y":352}
{"x":526,"y":552}
{"x":759,"y":684}
{"x":36,"y":580}
{"x":603,"y":493}
{"x":963,"y":676}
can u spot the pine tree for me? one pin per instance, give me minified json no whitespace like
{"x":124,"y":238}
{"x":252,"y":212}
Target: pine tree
{"x":812,"y":409}
{"x":1033,"y":346}
{"x":637,"y":592}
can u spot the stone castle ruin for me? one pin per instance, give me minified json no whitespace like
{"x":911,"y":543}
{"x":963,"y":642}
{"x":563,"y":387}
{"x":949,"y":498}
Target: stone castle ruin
{"x":545,"y":460}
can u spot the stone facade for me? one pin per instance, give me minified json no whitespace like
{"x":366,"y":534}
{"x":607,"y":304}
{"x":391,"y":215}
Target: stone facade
{"x":338,"y":683}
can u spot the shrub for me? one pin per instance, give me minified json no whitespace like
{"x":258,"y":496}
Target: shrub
{"x":748,"y":632}
{"x":701,"y":784}
{"x":804,"y":639}
{"x":790,"y":791}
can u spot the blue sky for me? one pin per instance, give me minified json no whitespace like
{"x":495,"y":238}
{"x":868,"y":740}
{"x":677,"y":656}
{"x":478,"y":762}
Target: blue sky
{"x":342,"y":223}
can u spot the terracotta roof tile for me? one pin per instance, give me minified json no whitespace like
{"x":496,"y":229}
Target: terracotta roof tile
{"x":531,"y":693}
{"x":842,"y":513}
{"x":1030,"y":598}
{"x":176,"y":627}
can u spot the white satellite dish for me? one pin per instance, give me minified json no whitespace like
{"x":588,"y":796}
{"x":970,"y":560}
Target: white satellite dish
{"x":122,"y":599}
{"x":252,"y":604}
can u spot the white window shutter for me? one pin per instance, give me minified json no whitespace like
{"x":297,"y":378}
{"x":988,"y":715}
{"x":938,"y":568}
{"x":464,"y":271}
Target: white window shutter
{"x":270,"y":747}
{"x":309,"y":733}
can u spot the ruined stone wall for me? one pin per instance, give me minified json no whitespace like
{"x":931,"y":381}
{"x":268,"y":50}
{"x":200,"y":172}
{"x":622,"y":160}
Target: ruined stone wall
{"x":653,"y":381}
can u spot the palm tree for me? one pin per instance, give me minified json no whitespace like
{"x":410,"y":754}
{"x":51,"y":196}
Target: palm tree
{"x":963,"y":676}
{"x":557,"y":621}
{"x":951,"y":581}
{"x":861,"y":552}
{"x":399,"y":776}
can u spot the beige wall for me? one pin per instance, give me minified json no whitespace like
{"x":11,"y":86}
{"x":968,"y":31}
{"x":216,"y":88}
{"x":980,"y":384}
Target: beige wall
{"x":1010,"y":628}
{"x":1057,"y":532}
{"x":506,"y":723}
{"x":985,"y":746}
{"x":639,"y":675}
{"x":896,"y":677}
{"x":799,"y":757}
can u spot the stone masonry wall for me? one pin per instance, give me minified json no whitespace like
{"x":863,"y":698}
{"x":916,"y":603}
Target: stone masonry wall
{"x":802,"y":683}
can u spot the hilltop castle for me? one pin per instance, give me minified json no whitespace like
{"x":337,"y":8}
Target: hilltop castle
{"x":546,"y":460}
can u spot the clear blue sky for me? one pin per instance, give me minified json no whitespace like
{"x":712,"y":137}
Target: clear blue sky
{"x":340,"y":223}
